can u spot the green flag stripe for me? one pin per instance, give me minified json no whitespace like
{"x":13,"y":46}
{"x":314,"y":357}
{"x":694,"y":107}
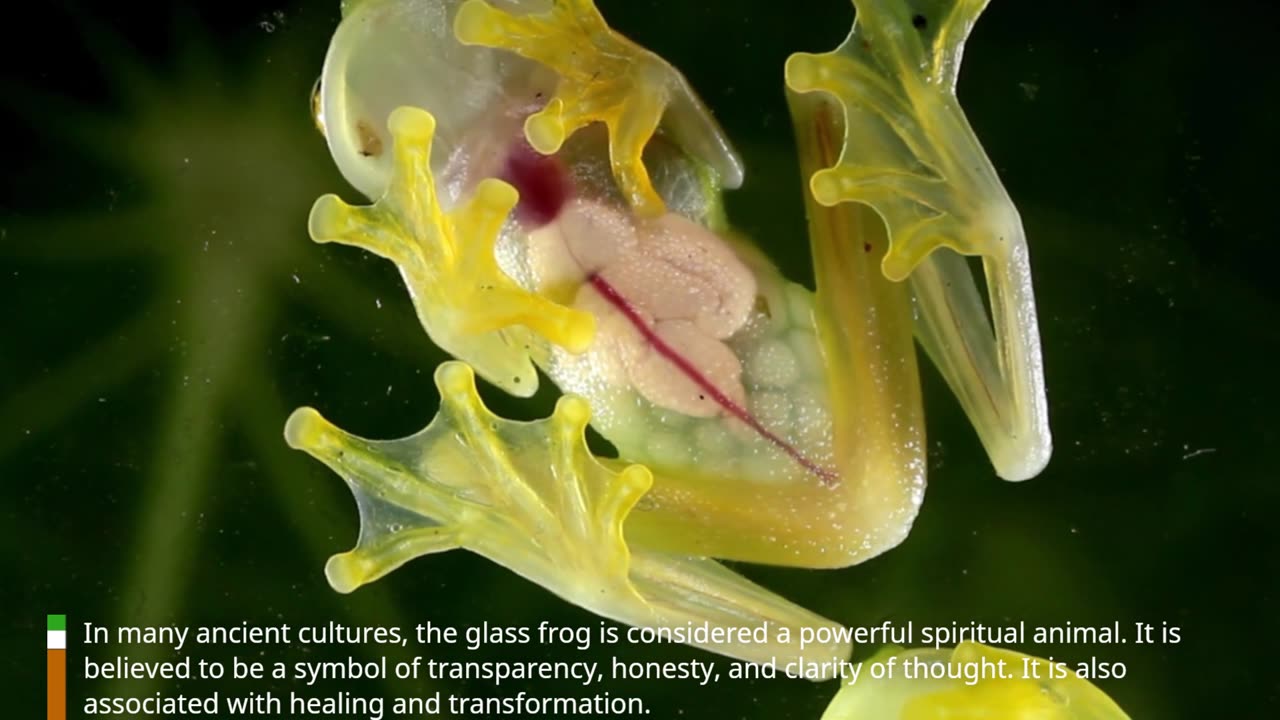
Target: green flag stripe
{"x":57,"y":622}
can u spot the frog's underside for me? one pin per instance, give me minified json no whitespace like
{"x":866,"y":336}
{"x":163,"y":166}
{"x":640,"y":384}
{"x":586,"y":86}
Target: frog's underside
{"x":551,"y":194}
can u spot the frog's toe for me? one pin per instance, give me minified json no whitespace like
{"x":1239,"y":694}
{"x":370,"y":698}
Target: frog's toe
{"x":375,"y":557}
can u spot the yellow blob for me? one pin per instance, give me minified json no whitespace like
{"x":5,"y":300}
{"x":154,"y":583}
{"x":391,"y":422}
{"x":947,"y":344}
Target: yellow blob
{"x":971,"y":695}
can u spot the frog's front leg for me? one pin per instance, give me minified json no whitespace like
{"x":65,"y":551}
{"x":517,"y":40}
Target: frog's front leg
{"x":605,"y":78}
{"x":465,"y":302}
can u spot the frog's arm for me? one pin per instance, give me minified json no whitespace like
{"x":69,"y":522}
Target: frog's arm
{"x":530,"y":497}
{"x":1014,"y":697}
{"x":468,"y":306}
{"x":909,"y":153}
{"x":606,"y":78}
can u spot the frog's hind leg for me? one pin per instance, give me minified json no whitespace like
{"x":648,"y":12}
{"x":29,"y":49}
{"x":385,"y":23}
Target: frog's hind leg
{"x":996,"y":374}
{"x":531,"y":497}
{"x":909,"y":153}
{"x":864,"y":324}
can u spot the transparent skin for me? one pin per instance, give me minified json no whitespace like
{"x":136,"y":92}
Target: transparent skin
{"x":551,"y":194}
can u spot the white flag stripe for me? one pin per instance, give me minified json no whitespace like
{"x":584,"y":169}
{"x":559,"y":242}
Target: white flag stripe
{"x":57,"y":639}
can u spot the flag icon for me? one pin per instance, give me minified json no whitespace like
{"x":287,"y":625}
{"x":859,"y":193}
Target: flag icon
{"x":56,"y":655}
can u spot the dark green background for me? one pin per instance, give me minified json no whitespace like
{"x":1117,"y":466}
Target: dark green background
{"x":164,"y":310}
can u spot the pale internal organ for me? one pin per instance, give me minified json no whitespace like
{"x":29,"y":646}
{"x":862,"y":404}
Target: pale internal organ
{"x":673,"y":303}
{"x":666,"y":293}
{"x":678,"y":327}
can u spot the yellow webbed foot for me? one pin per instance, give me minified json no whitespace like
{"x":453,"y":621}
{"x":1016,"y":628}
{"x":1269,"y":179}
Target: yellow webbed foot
{"x":1013,"y":697}
{"x":908,"y":151}
{"x":531,"y":497}
{"x":466,"y":303}
{"x":604,"y":77}
{"x":910,"y":154}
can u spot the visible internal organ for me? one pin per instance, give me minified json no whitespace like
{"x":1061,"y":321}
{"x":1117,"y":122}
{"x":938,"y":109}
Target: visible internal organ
{"x":672,"y":363}
{"x":669,"y":297}
{"x":696,"y":358}
{"x":542,"y":181}
{"x":666,"y":293}
{"x":682,"y":271}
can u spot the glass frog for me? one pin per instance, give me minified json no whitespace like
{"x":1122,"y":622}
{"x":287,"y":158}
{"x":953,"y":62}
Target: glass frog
{"x":551,"y":193}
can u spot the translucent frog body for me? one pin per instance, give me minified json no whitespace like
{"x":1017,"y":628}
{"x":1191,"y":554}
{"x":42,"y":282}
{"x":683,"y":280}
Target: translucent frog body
{"x":551,"y":194}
